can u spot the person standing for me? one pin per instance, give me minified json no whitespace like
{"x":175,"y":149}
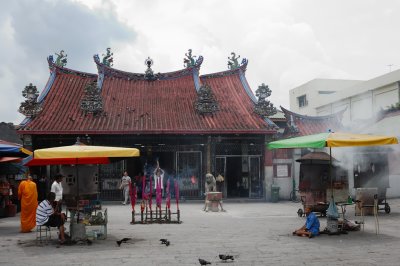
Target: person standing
{"x":125,"y":180}
{"x":27,"y":194}
{"x":159,"y":177}
{"x":57,"y":189}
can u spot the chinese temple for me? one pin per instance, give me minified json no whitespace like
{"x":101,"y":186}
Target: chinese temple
{"x":191,"y":124}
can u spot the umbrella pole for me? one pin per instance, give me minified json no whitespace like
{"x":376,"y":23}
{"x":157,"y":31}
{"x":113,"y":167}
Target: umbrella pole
{"x":330,"y":170}
{"x":77,"y":190}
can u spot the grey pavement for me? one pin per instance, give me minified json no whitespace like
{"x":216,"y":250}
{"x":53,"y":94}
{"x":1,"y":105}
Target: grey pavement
{"x":255,"y":233}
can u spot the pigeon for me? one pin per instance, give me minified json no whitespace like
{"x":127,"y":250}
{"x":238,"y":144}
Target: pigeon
{"x":164,"y":241}
{"x":204,"y":262}
{"x":226,"y":257}
{"x":123,"y":240}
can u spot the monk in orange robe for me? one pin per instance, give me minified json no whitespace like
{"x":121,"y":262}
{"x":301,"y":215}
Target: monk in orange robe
{"x":27,"y":194}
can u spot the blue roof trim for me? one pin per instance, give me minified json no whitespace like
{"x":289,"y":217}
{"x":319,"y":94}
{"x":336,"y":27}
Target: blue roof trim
{"x":100,"y":79}
{"x":48,"y":87}
{"x":196,"y":79}
{"x":270,"y":123}
{"x":25,"y":121}
{"x":246,"y":86}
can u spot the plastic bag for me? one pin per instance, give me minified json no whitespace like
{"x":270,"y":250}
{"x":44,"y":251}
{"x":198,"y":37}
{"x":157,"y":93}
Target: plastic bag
{"x":332,"y":211}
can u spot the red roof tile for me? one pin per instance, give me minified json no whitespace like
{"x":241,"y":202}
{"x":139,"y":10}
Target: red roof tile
{"x":133,"y":105}
{"x":307,"y":125}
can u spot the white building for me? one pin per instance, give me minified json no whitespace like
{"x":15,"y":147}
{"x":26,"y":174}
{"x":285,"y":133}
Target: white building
{"x":363,"y":102}
{"x":361,"y":99}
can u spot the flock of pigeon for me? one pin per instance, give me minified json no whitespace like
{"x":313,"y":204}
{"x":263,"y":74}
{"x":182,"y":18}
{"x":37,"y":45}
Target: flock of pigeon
{"x":166,"y":242}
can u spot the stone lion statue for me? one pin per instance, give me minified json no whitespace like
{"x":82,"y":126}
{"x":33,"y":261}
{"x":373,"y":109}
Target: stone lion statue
{"x":210,"y":186}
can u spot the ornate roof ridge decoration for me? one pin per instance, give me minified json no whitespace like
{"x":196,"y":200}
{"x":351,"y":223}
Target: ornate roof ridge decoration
{"x":206,"y":103}
{"x":337,"y":115}
{"x":116,"y":73}
{"x":190,"y":62}
{"x":241,"y":68}
{"x":92,"y":102}
{"x":233,"y":62}
{"x":148,"y":73}
{"x":61,"y":59}
{"x":264,"y":107}
{"x":108,"y":60}
{"x":54,"y":67}
{"x":30,"y":108}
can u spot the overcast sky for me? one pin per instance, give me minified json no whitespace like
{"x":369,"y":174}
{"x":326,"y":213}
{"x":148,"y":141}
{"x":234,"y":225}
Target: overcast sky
{"x":287,"y":42}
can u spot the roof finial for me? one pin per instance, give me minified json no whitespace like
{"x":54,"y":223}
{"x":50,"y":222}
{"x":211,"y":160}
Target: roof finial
{"x":189,"y":60}
{"x":233,"y":62}
{"x":61,"y":60}
{"x":108,"y":59}
{"x":149,"y":74}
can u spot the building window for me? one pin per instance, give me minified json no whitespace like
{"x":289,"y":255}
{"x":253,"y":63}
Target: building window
{"x":302,"y":101}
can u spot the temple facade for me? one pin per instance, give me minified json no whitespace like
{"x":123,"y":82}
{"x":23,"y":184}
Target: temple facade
{"x":191,"y":124}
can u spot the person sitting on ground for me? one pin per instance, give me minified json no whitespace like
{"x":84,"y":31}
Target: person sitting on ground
{"x":311,"y":227}
{"x":46,"y":216}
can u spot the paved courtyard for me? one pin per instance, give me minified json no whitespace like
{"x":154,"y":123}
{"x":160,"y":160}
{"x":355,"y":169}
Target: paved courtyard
{"x":254,"y":233}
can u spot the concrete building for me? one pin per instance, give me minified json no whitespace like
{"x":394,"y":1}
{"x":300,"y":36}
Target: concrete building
{"x":369,"y":106}
{"x":361,"y":100}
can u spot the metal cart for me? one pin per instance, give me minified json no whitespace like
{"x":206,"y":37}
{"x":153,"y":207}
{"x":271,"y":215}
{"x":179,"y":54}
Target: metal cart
{"x":315,"y":184}
{"x":371,"y":170}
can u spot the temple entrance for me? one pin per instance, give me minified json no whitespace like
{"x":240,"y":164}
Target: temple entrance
{"x":241,"y":174}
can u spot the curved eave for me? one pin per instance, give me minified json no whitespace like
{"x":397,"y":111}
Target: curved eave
{"x":226,"y":72}
{"x":65,"y":70}
{"x":337,"y":115}
{"x":113,"y":72}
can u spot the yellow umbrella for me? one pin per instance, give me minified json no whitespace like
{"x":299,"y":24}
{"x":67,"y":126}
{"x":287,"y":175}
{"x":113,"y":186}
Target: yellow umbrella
{"x":84,"y":151}
{"x":80,"y":154}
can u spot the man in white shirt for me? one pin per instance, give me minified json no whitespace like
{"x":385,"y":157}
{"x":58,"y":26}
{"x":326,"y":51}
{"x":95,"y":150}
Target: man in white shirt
{"x":57,"y":189}
{"x":125,"y":180}
{"x":159,"y":177}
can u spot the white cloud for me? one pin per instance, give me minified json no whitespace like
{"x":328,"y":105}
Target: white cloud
{"x":287,"y":42}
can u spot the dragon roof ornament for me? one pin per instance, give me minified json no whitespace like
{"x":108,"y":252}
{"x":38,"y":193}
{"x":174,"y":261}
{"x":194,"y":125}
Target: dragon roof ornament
{"x":108,"y":60}
{"x":30,"y":108}
{"x":61,"y":59}
{"x":190,"y":61}
{"x":233,"y":62}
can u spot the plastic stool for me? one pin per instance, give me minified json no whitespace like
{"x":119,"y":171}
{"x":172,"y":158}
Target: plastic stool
{"x":43,"y":233}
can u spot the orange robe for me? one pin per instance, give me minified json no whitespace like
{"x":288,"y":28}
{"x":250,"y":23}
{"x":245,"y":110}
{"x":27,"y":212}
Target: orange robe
{"x":27,"y":194}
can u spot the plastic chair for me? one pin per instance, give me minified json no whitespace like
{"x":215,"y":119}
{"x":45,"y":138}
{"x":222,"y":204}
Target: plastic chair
{"x":43,"y":233}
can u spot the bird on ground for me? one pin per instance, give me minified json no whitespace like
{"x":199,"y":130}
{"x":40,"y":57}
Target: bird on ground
{"x":226,"y":257}
{"x":204,"y":262}
{"x":164,"y":241}
{"x":123,"y":240}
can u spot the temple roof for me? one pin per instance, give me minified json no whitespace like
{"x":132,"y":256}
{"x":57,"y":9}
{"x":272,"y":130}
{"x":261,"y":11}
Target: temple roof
{"x":134,"y":105}
{"x":301,"y":125}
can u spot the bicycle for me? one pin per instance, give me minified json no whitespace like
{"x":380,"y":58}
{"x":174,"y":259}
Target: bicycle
{"x":295,"y":196}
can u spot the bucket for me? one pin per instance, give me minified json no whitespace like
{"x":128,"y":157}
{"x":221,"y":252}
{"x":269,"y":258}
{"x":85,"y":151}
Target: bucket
{"x":332,"y":225}
{"x":11,"y":210}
